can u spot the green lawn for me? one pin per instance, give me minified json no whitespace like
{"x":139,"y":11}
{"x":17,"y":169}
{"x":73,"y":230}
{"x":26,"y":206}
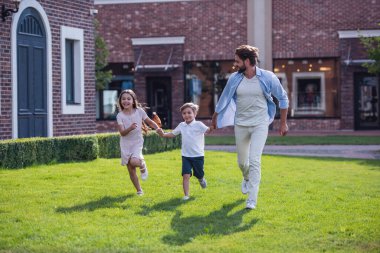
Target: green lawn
{"x":303,"y":140}
{"x":305,"y":205}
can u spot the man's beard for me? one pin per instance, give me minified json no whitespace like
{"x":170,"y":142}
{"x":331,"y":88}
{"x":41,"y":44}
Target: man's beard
{"x":242,"y":69}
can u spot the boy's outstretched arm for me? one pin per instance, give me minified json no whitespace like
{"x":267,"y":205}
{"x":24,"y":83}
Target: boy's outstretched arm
{"x":209,"y":130}
{"x":161,"y":133}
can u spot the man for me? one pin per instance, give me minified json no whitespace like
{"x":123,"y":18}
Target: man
{"x":246,"y":103}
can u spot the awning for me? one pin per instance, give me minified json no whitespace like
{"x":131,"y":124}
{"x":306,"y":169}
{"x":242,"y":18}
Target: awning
{"x":158,"y":54}
{"x":358,"y":61}
{"x":167,"y":66}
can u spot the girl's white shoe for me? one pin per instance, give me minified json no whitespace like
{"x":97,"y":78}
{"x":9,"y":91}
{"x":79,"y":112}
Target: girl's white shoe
{"x":144,"y":175}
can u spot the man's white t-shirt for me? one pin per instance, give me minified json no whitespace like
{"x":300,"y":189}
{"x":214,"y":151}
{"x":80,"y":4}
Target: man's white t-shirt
{"x":193,"y":138}
{"x":251,"y":104}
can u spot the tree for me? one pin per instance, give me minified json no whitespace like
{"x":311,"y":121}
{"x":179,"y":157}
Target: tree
{"x":372,"y":45}
{"x":103,"y":77}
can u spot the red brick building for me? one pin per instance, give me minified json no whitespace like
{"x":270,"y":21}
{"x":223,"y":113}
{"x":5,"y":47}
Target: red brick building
{"x":47,"y":66}
{"x":173,"y":51}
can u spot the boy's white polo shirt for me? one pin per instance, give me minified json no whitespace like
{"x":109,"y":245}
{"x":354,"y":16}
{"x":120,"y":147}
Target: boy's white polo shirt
{"x":193,"y":138}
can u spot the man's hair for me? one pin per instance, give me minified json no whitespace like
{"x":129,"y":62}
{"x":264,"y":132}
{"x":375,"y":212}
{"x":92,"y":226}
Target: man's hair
{"x":192,"y":106}
{"x":248,"y":52}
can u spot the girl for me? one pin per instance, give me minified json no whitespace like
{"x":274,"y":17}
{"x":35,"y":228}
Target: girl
{"x":129,"y":123}
{"x":193,"y":135}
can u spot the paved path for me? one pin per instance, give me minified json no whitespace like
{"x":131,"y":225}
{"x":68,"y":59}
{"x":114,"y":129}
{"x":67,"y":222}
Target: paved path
{"x":341,"y":151}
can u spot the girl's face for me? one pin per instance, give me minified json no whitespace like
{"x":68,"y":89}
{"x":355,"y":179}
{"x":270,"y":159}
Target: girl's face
{"x":188,"y":115}
{"x":127,"y":101}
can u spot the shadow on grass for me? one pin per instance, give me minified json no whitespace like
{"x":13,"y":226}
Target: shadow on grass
{"x":219,"y":222}
{"x":374,"y":164}
{"x":169,"y":205}
{"x":105,"y":202}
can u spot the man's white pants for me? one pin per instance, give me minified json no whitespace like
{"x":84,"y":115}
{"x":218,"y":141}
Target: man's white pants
{"x":250,"y":142}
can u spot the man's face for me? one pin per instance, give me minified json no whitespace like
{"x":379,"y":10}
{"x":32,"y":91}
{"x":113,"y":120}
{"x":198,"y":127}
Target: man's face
{"x":239,"y":64}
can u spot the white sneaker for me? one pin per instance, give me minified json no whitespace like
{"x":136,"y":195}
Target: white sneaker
{"x":140,"y":193}
{"x":244,"y":186}
{"x":250,"y":205}
{"x":144,"y":175}
{"x":185,"y":198}
{"x":203,"y":182}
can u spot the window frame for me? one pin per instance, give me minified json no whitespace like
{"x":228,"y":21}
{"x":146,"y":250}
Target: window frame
{"x":299,"y":111}
{"x":76,"y":35}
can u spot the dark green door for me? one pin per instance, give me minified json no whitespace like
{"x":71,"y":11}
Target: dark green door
{"x":31,"y":75}
{"x":366,"y":101}
{"x":159,"y":98}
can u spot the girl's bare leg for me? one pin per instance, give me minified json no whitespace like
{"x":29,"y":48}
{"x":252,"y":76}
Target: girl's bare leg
{"x":138,"y":163}
{"x":133,"y":176}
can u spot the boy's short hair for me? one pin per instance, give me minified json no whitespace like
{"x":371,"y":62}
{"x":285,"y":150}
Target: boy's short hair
{"x":192,"y":106}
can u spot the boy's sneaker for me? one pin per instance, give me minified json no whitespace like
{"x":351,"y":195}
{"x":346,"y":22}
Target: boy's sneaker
{"x":140,"y":193}
{"x":250,"y":205}
{"x":203,"y":183}
{"x":244,"y":186}
{"x":144,"y":175}
{"x":186,"y":198}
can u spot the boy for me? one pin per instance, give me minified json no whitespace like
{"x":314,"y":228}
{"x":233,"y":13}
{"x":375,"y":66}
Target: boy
{"x":192,"y":136}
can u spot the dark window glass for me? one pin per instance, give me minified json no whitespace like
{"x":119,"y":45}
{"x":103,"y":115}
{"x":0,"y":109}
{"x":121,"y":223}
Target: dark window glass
{"x":70,"y":78}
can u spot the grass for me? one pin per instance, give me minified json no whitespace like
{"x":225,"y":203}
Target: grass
{"x":302,"y":140}
{"x":305,"y":205}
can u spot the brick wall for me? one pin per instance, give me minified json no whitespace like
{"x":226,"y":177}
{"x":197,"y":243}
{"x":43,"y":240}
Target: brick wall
{"x":5,"y":78}
{"x":304,"y":28}
{"x":353,"y":49}
{"x":212,"y":29}
{"x":67,"y":13}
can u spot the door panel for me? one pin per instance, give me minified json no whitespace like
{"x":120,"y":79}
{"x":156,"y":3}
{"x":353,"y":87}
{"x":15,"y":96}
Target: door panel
{"x":159,"y":98}
{"x":366,"y":101}
{"x":32,"y":75}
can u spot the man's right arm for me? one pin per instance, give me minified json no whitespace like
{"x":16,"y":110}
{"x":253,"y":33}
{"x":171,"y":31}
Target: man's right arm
{"x":214,"y":120}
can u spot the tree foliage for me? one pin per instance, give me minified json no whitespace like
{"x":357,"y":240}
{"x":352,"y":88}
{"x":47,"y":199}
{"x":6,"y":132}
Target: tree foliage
{"x":103,"y":77}
{"x":372,"y":45}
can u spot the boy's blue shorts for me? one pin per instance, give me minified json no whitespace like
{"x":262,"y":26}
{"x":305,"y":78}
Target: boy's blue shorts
{"x":195,"y":163}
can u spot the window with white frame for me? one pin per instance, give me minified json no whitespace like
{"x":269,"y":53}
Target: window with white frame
{"x":72,"y":68}
{"x":309,"y":93}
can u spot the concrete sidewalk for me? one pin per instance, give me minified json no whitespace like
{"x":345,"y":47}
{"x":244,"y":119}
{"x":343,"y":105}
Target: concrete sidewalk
{"x":339,"y":151}
{"x":229,"y":131}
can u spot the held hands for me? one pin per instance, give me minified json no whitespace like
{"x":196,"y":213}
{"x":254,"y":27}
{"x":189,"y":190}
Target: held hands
{"x":160,"y":132}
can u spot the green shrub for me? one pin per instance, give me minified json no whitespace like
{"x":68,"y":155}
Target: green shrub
{"x":21,"y":153}
{"x":76,"y":148}
{"x":109,"y":144}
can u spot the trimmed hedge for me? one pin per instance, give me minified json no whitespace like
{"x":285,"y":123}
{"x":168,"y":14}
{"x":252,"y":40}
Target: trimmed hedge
{"x":109,"y":144}
{"x":21,"y":153}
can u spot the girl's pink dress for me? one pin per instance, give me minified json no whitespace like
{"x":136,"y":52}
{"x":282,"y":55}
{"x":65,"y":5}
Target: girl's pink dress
{"x":131,"y":145}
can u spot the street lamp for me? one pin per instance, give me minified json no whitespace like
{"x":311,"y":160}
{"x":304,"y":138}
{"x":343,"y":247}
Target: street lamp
{"x":7,"y":12}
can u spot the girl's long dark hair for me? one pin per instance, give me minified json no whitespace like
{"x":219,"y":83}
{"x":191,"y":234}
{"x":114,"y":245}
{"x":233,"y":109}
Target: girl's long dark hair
{"x":136,"y":103}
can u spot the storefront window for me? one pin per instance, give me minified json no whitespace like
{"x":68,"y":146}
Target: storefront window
{"x":205,"y":81}
{"x":311,"y":85}
{"x":106,"y":99}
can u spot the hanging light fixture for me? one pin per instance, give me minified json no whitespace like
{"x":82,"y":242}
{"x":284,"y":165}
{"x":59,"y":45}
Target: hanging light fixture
{"x":7,"y":12}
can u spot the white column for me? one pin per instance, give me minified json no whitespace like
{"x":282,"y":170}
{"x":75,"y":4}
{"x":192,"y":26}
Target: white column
{"x":259,"y":32}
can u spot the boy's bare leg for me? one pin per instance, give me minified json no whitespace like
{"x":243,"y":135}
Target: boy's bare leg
{"x":186,"y":184}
